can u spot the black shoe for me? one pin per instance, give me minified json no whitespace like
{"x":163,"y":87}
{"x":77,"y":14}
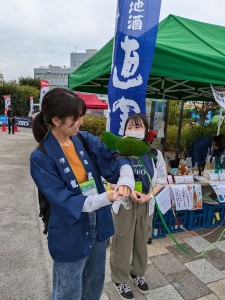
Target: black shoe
{"x":149,"y":241}
{"x":124,"y":290}
{"x":140,"y":283}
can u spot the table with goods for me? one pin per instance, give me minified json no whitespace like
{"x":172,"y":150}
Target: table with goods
{"x":192,"y":199}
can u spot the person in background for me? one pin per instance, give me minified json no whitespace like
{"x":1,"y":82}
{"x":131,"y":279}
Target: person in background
{"x":11,"y":119}
{"x":68,"y":172}
{"x":205,"y":146}
{"x":132,"y":225}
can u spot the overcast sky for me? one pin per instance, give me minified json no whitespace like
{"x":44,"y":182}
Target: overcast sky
{"x":37,"y":33}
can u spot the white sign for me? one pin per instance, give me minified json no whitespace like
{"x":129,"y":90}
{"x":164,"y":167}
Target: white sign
{"x":163,"y":200}
{"x":195,"y":193}
{"x":181,"y":197}
{"x":219,"y":96}
{"x":45,"y":85}
{"x":219,"y":189}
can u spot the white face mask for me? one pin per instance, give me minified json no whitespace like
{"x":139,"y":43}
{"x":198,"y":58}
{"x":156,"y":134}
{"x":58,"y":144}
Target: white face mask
{"x":136,"y":134}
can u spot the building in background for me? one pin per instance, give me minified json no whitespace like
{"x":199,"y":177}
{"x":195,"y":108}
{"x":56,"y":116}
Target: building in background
{"x":76,"y":58}
{"x":58,"y":75}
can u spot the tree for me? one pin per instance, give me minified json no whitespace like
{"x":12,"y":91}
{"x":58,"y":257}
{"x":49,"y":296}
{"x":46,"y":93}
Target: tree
{"x":202,"y":109}
{"x":20,"y":97}
{"x":174,"y":112}
{"x":29,"y":81}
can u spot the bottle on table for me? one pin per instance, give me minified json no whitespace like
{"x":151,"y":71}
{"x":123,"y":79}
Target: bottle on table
{"x":207,"y":167}
{"x":223,"y":162}
{"x":179,"y":167}
{"x":218,"y":165}
{"x":189,"y":165}
{"x":213,"y":164}
{"x":183,"y":167}
{"x":168,"y":167}
{"x":196,"y":170}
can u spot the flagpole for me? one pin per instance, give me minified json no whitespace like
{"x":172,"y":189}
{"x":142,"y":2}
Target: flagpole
{"x":116,"y":22}
{"x":219,"y":121}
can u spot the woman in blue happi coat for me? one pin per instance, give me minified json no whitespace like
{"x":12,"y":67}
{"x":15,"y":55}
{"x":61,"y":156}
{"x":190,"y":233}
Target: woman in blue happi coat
{"x":68,"y":172}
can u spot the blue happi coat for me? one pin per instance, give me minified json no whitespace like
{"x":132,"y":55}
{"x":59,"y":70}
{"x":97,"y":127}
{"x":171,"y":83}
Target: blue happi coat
{"x":69,"y":231}
{"x":140,"y":167}
{"x":199,"y":150}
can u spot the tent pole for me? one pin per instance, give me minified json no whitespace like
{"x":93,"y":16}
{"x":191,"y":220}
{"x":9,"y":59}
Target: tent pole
{"x":165,"y":117}
{"x":166,"y":124}
{"x":220,"y":121}
{"x":179,"y":129}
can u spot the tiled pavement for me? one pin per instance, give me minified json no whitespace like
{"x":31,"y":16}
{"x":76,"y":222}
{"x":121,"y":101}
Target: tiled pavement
{"x":174,"y":275}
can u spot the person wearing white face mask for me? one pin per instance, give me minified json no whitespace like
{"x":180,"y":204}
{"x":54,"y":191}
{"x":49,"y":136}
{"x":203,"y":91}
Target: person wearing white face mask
{"x":136,"y":134}
{"x":132,"y":225}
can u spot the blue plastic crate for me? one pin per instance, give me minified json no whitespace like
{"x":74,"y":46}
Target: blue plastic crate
{"x":174,"y":223}
{"x":197,"y":218}
{"x":215,"y":215}
{"x":158,"y":229}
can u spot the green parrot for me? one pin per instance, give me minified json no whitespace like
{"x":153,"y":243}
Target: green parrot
{"x":127,"y":146}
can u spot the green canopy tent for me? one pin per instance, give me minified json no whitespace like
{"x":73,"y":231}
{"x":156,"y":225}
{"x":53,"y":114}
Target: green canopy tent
{"x":189,"y":55}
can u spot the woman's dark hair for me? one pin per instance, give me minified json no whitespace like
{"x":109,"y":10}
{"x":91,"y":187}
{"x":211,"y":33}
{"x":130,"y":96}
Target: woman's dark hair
{"x":219,"y":141}
{"x":136,"y":120}
{"x":58,"y":102}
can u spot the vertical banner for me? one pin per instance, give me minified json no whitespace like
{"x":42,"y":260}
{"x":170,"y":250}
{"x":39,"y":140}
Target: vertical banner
{"x":31,"y":114}
{"x":7,"y":103}
{"x":45,"y":85}
{"x":134,"y":46}
{"x":32,"y":103}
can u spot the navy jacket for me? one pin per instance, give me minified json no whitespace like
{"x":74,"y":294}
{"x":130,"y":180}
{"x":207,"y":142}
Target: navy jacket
{"x":69,"y":231}
{"x":200,"y":149}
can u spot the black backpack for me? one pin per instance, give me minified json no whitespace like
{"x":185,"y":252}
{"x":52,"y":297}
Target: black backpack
{"x":44,"y":205}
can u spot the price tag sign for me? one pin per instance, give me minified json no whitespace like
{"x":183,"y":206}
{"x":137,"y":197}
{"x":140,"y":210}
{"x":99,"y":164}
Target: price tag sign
{"x":188,"y":179}
{"x":213,"y":176}
{"x":179,"y":179}
{"x":221,"y":176}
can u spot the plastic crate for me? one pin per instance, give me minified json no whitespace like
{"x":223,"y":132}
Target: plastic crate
{"x":158,"y":229}
{"x":181,"y":217}
{"x":215,"y":215}
{"x":197,"y":218}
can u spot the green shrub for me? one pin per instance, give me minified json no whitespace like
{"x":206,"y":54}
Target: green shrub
{"x":171,"y":137}
{"x":94,"y":125}
{"x":20,"y":97}
{"x":189,"y":135}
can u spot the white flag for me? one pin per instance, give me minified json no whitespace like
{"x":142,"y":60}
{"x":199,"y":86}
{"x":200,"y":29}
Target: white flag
{"x":219,"y":96}
{"x":44,"y":89}
{"x":7,"y":103}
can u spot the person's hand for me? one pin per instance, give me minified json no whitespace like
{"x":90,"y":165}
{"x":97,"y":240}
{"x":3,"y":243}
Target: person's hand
{"x":140,"y":198}
{"x":123,"y":191}
{"x":111,"y":195}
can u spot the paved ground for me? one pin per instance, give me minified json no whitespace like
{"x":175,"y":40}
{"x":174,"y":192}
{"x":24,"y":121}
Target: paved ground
{"x":25,"y":265}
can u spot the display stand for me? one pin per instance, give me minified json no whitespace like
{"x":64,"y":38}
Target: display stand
{"x":211,"y":215}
